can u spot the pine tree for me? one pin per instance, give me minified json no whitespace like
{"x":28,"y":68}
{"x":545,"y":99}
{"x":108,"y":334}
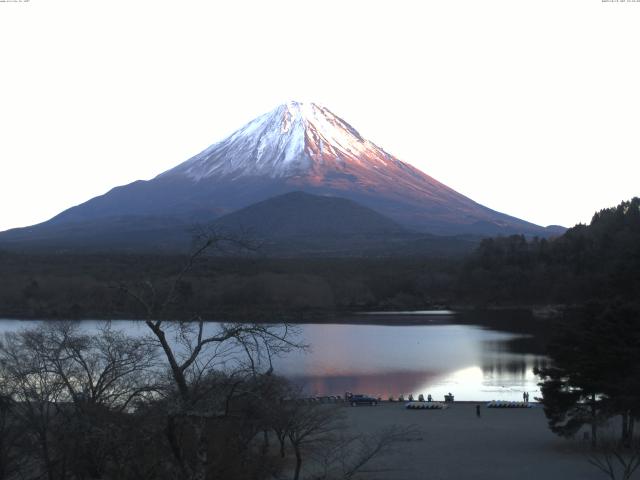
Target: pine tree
{"x":594,"y":373}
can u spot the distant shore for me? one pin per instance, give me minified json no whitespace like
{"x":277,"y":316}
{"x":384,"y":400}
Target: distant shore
{"x":375,"y":316}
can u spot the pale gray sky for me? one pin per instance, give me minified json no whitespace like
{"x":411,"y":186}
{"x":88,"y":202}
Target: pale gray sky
{"x":529,"y":107}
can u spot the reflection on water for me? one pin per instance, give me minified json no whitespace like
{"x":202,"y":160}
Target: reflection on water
{"x":472,"y":362}
{"x":429,"y":357}
{"x":420,"y":313}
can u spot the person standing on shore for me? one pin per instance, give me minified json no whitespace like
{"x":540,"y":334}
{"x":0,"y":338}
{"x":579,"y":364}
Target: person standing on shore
{"x":524,"y":396}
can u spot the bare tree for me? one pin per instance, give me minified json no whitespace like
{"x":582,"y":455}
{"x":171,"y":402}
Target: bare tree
{"x":194,"y":348}
{"x":105,"y":368}
{"x":37,"y":394}
{"x":312,"y":424}
{"x":319,"y":433}
{"x":348,"y":456}
{"x":617,"y":460}
{"x":10,"y":431}
{"x":71,"y":390}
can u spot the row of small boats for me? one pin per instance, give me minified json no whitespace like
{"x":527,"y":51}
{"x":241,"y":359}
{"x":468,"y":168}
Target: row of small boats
{"x":426,"y":406}
{"x":491,"y":404}
{"x":505,"y":404}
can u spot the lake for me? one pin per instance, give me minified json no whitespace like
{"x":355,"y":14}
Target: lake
{"x":475,"y":357}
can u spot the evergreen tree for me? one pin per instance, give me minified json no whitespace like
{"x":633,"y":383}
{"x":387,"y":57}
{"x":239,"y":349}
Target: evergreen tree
{"x":595,"y":371}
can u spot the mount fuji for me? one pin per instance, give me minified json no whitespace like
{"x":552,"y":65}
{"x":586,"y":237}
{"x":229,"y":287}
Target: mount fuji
{"x":300,"y":147}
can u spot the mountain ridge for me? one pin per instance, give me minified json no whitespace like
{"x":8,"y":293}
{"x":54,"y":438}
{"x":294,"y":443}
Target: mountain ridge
{"x":297,"y":214}
{"x":294,"y":224}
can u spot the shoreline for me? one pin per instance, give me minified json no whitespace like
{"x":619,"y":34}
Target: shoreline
{"x":401,"y":315}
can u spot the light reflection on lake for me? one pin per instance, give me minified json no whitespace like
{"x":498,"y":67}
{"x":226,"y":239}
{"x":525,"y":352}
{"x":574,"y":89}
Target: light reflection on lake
{"x":470,"y":361}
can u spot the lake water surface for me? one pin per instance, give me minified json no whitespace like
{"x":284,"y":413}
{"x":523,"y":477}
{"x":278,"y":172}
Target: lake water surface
{"x":412,"y":353}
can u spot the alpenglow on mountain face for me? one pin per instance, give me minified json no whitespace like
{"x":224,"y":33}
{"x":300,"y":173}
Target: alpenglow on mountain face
{"x":304,"y":146}
{"x":294,"y":140}
{"x":298,"y":147}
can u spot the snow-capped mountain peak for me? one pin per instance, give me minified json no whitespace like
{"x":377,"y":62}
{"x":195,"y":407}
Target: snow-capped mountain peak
{"x":293,"y":139}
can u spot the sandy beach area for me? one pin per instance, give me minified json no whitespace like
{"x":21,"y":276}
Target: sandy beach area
{"x":455,"y":444}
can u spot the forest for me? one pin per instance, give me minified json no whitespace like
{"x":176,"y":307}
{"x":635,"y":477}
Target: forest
{"x":87,"y":286}
{"x":588,"y":262}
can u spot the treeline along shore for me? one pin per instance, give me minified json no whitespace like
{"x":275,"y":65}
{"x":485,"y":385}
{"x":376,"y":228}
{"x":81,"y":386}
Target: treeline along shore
{"x":88,"y":286}
{"x":588,"y":262}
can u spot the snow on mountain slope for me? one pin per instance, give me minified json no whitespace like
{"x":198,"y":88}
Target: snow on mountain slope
{"x":294,"y":139}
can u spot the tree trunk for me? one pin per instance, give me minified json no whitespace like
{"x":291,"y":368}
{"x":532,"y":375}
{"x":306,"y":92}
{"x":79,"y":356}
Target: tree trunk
{"x":594,"y":427}
{"x":44,"y":445}
{"x":625,"y":428}
{"x":265,"y":444}
{"x":298,"y":461}
{"x":202,"y":448}
{"x":3,"y":475}
{"x":282,"y":440}
{"x":172,"y":438}
{"x":176,"y":370}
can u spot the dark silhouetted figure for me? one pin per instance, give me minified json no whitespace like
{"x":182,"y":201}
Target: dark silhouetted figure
{"x":478,"y":411}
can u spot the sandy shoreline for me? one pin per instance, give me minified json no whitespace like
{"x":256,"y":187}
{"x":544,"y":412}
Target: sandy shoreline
{"x":455,"y":444}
